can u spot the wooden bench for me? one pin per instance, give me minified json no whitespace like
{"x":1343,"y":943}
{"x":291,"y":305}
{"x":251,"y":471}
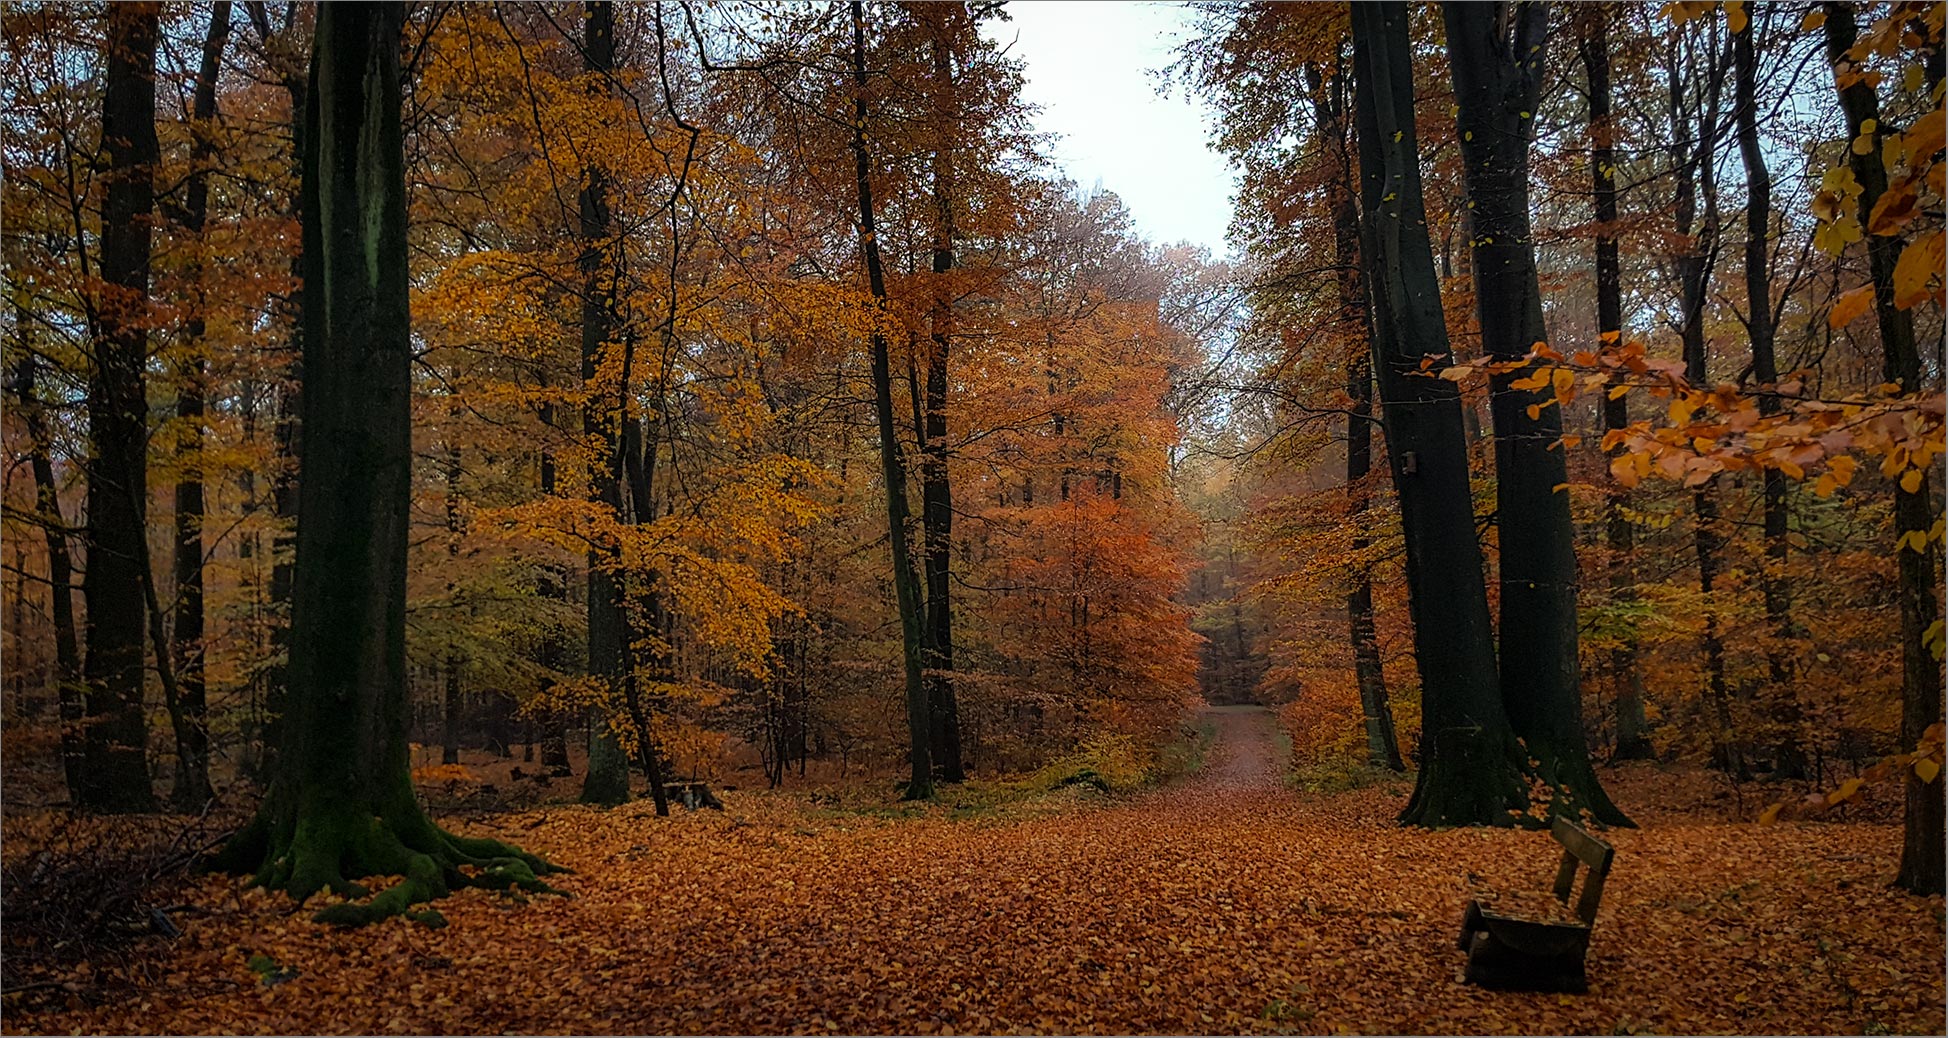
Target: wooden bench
{"x":1510,"y":951}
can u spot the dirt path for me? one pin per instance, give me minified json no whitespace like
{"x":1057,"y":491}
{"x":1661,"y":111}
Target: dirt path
{"x":1226,"y":904}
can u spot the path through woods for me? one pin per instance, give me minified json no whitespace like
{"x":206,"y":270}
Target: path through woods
{"x":1226,"y":903}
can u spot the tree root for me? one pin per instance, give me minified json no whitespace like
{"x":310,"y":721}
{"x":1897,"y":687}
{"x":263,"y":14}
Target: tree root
{"x":321,"y":853}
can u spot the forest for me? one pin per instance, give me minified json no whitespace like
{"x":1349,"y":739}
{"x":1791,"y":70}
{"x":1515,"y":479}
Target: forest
{"x":683,"y":517}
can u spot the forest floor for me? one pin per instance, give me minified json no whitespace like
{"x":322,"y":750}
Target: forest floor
{"x":1225,"y":902}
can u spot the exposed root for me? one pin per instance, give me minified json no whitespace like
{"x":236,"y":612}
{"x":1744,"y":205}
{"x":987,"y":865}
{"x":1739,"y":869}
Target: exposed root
{"x":322,"y":852}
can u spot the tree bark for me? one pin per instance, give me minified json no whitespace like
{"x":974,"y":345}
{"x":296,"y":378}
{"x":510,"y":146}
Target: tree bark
{"x":68,"y":687}
{"x":192,"y":789}
{"x":115,"y":743}
{"x":607,"y":781}
{"x":1696,"y":174}
{"x":936,"y":493}
{"x":1633,"y":738}
{"x":1495,"y":52}
{"x":1470,"y":770}
{"x":342,"y":803}
{"x":1922,"y":846}
{"x":906,"y":583}
{"x":1789,"y":756}
{"x":1382,"y":743}
{"x":450,"y":713}
{"x":552,"y":586}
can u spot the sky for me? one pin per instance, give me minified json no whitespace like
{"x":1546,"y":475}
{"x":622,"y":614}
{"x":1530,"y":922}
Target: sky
{"x":1088,"y":69}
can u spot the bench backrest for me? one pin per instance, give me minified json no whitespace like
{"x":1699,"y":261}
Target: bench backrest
{"x":1579,"y":847}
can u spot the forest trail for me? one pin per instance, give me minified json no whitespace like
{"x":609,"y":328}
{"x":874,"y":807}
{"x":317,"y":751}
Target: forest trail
{"x":1226,"y":902}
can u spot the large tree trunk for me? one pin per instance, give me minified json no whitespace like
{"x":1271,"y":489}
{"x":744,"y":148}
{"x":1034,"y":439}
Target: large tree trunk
{"x":115,"y":743}
{"x":1922,"y":847}
{"x":1495,"y":54}
{"x":192,"y":789}
{"x":342,"y":803}
{"x":1633,"y":738}
{"x":936,"y":494}
{"x":1789,"y":756}
{"x":906,"y":583}
{"x":607,"y":781}
{"x":1382,"y":743}
{"x":1471,"y":766}
{"x":60,"y":566}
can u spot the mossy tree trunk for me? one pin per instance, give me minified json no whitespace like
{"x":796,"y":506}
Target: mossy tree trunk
{"x":1470,"y":764}
{"x":1495,"y":52}
{"x":341,"y":804}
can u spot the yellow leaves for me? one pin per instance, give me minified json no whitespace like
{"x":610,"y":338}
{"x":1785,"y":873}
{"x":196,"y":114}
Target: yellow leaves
{"x":1850,"y":306}
{"x":1833,"y":238}
{"x":1911,"y":481}
{"x":1927,"y":770}
{"x":1917,"y":275}
{"x":1771,"y":814}
{"x":1813,"y":21}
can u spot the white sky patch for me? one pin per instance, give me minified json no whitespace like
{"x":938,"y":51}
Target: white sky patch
{"x":1088,"y":67}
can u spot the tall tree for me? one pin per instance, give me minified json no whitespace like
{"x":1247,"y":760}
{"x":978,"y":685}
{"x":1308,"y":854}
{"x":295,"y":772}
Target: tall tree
{"x":607,"y":781}
{"x":1922,"y":846}
{"x":1593,"y":39}
{"x":1759,"y":325}
{"x":1495,"y":52}
{"x":1471,"y":767}
{"x":342,"y":802}
{"x":68,"y":686}
{"x":116,"y":774}
{"x":192,"y":789}
{"x":906,"y":584}
{"x":945,"y":22}
{"x":1331,"y":101}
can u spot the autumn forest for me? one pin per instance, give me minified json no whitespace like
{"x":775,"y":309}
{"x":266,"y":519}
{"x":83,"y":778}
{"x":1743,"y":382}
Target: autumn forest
{"x":683,"y":517}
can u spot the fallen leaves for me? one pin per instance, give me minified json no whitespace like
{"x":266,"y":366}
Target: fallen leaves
{"x":1228,"y":904}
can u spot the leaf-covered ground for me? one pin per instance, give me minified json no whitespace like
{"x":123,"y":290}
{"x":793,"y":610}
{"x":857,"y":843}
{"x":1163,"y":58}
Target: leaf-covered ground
{"x":1225,"y":904}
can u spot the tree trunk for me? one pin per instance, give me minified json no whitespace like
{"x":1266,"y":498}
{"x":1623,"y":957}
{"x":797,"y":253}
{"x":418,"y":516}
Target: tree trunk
{"x":906,"y":584}
{"x":1696,"y":174}
{"x":936,"y":494}
{"x":450,"y":714}
{"x":1633,"y":738}
{"x":607,"y":781}
{"x":1789,"y":756}
{"x":551,"y":586}
{"x":1470,"y":770}
{"x":1382,"y":743}
{"x":1495,"y":54}
{"x":115,"y":742}
{"x":1922,"y":846}
{"x":60,"y":566}
{"x":342,"y":804}
{"x":192,"y":789}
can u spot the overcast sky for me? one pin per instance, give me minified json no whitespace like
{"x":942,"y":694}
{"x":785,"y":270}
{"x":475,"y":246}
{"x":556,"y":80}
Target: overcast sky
{"x":1088,"y":66}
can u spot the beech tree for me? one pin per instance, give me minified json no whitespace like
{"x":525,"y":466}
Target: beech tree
{"x":1470,"y":767}
{"x":1495,"y":52}
{"x":342,"y":803}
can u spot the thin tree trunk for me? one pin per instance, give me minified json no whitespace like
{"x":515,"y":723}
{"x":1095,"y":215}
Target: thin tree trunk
{"x":450,"y":714}
{"x":115,"y":744}
{"x":551,"y":586}
{"x":1922,"y":846}
{"x":936,"y":493}
{"x":192,"y":788}
{"x":1495,"y":53}
{"x":906,"y":583}
{"x":1789,"y":756}
{"x":1382,"y":743}
{"x":1471,"y":766}
{"x":60,"y":566}
{"x":1697,"y":174}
